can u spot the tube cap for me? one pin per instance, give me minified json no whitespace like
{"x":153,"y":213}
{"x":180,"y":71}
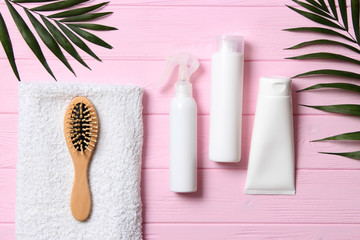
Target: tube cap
{"x":230,"y":43}
{"x":275,"y":86}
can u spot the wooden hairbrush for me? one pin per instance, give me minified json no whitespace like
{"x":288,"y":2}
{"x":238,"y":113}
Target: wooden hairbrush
{"x":81,"y":132}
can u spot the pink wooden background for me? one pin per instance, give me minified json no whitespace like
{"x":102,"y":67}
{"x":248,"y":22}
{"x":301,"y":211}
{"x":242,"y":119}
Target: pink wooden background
{"x":327,"y":201}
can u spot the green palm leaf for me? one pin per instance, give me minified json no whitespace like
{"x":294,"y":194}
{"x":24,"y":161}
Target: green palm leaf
{"x":330,"y":72}
{"x":48,"y":40}
{"x":333,"y":8}
{"x":91,"y":26}
{"x":32,"y":1}
{"x":7,"y":45}
{"x":29,"y":37}
{"x":63,"y":41}
{"x":316,"y":4}
{"x":343,"y":11}
{"x":355,"y":17}
{"x":342,"y":31}
{"x":320,"y":30}
{"x":352,"y":136}
{"x":323,"y":5}
{"x":348,"y":109}
{"x":78,"y":11}
{"x":77,"y":41}
{"x":324,"y":42}
{"x":90,"y":37}
{"x":85,"y":17}
{"x":316,"y":18}
{"x":314,"y":9}
{"x":352,"y":155}
{"x":55,"y":38}
{"x":326,"y":55}
{"x":343,"y":86}
{"x":59,"y":5}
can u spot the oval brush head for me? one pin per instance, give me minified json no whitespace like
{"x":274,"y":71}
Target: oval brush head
{"x":81,"y":132}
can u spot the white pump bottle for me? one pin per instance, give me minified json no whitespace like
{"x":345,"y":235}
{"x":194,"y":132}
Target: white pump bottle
{"x":227,"y":66}
{"x":183,"y":126}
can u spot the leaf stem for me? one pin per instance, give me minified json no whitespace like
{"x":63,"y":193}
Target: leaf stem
{"x":344,"y":29}
{"x":18,"y":4}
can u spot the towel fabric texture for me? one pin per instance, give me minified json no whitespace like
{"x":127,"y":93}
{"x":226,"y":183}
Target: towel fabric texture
{"x":45,"y":170}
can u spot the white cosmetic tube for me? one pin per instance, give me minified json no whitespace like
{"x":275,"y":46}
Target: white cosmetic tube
{"x":271,"y":161}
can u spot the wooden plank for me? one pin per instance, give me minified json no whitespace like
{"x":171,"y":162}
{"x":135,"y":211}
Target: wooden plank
{"x":215,"y":3}
{"x":216,"y":231}
{"x":180,"y":231}
{"x":322,"y":196}
{"x":157,"y":98}
{"x":8,"y":140}
{"x":156,"y":142}
{"x":7,"y":231}
{"x":7,"y":195}
{"x":208,"y":3}
{"x":145,"y":34}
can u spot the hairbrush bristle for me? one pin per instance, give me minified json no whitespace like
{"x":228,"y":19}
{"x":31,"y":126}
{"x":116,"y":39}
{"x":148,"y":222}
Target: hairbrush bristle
{"x":82,"y":124}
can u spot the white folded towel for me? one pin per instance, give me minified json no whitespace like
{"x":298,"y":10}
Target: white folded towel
{"x":45,"y":170}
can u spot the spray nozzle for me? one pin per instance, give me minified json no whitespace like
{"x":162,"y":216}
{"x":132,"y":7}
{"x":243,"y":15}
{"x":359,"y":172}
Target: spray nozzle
{"x":188,"y":64}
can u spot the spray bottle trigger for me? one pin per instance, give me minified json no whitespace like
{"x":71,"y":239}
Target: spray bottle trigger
{"x":188,"y":64}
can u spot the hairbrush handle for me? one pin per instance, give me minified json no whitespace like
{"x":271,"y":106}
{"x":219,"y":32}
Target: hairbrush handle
{"x":80,"y":196}
{"x":81,"y":132}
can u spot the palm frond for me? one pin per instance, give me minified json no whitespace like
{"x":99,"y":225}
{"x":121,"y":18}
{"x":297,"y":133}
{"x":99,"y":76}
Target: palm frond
{"x":355,"y":17}
{"x":347,"y":109}
{"x":63,"y":41}
{"x":324,"y":42}
{"x":92,"y":26}
{"x":314,"y":9}
{"x":49,"y":40}
{"x":55,"y":38}
{"x":342,"y":86}
{"x":321,"y":30}
{"x":343,"y":11}
{"x":29,"y":37}
{"x":352,"y":136}
{"x":352,"y":155}
{"x":330,"y":72}
{"x":58,"y":5}
{"x":78,"y":11}
{"x":7,"y":45}
{"x":90,"y":37}
{"x":326,"y":55}
{"x":85,"y":17}
{"x":316,"y":18}
{"x":77,"y":41}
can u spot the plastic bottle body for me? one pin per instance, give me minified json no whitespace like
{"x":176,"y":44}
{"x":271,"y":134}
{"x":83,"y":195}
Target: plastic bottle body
{"x":226,"y":106}
{"x":183,"y":145}
{"x":271,"y":161}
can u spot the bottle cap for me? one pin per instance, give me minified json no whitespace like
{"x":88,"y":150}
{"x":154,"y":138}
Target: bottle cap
{"x":275,"y":86}
{"x":230,"y":43}
{"x":188,"y":64}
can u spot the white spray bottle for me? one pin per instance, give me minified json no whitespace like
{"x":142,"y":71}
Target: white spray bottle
{"x":183,"y":126}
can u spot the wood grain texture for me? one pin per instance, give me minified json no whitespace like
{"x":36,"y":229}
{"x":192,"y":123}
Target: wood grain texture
{"x":326,"y":204}
{"x":180,"y":231}
{"x":156,"y":142}
{"x":7,"y":231}
{"x":142,"y":28}
{"x":250,"y":231}
{"x":322,"y":196}
{"x":157,"y":99}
